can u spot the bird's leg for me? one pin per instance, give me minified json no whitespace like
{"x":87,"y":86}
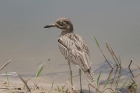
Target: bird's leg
{"x":80,"y":80}
{"x":70,"y":74}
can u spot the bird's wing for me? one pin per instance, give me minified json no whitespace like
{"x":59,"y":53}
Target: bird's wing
{"x":75,"y":50}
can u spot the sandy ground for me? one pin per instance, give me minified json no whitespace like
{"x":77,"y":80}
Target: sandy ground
{"x":53,"y":83}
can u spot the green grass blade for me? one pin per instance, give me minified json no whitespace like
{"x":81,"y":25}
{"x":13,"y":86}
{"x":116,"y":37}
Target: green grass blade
{"x":98,"y":78}
{"x":52,"y":85}
{"x":40,"y":69}
{"x":63,"y":90}
{"x":58,"y":88}
{"x":107,"y":81}
{"x":96,"y":42}
{"x":132,"y":79}
{"x":120,"y":72}
{"x":124,"y":84}
{"x":134,"y":83}
{"x":7,"y":78}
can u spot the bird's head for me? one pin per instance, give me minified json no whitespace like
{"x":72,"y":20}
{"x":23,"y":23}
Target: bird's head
{"x":62,"y":23}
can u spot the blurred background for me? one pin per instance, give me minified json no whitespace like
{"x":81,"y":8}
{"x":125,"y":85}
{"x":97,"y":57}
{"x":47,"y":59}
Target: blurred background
{"x":24,"y":40}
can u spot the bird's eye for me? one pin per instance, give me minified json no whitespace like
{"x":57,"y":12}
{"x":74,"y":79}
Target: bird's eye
{"x":61,"y":23}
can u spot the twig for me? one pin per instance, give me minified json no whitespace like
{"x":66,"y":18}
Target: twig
{"x":115,"y":56}
{"x":28,"y":89}
{"x":130,"y":69}
{"x":70,"y":83}
{"x":93,"y":87}
{"x":108,"y":88}
{"x":137,"y":75}
{"x":4,"y":88}
{"x":130,"y":63}
{"x":105,"y":58}
{"x":109,"y":74}
{"x":135,"y":63}
{"x":5,"y":64}
{"x":114,"y":76}
{"x":132,"y":60}
{"x":111,"y":53}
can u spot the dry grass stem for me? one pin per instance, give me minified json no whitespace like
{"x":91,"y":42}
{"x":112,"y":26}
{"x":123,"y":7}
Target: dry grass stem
{"x":108,"y":89}
{"x":47,"y":72}
{"x":105,"y":58}
{"x":132,"y":60}
{"x":67,"y":88}
{"x":89,"y":84}
{"x":114,"y":76}
{"x":115,"y":56}
{"x":135,"y":63}
{"x":70,"y":83}
{"x":5,"y":64}
{"x":111,"y":54}
{"x":102,"y":52}
{"x":27,"y":87}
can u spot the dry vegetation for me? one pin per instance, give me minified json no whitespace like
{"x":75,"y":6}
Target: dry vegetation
{"x":110,"y":85}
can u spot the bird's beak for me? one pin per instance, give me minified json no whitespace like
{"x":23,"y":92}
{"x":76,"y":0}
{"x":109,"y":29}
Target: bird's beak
{"x":48,"y":26}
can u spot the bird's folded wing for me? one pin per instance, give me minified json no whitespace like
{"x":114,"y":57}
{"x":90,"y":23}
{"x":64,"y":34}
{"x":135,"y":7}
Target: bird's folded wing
{"x":75,"y":50}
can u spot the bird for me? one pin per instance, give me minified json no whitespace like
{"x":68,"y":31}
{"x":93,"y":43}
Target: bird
{"x":73,"y":47}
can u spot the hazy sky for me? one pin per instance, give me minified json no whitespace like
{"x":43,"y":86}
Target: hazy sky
{"x":23,"y":38}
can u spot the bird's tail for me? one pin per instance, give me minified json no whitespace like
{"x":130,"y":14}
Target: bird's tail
{"x":89,"y":75}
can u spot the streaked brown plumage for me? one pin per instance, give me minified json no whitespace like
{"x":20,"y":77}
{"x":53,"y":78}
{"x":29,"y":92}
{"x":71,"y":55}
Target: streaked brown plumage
{"x":72,"y":46}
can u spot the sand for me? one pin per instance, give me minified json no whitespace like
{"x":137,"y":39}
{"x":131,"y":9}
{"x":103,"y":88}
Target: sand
{"x":56,"y":83}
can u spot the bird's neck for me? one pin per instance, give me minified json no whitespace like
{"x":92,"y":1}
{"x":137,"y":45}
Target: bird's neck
{"x":63,"y":32}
